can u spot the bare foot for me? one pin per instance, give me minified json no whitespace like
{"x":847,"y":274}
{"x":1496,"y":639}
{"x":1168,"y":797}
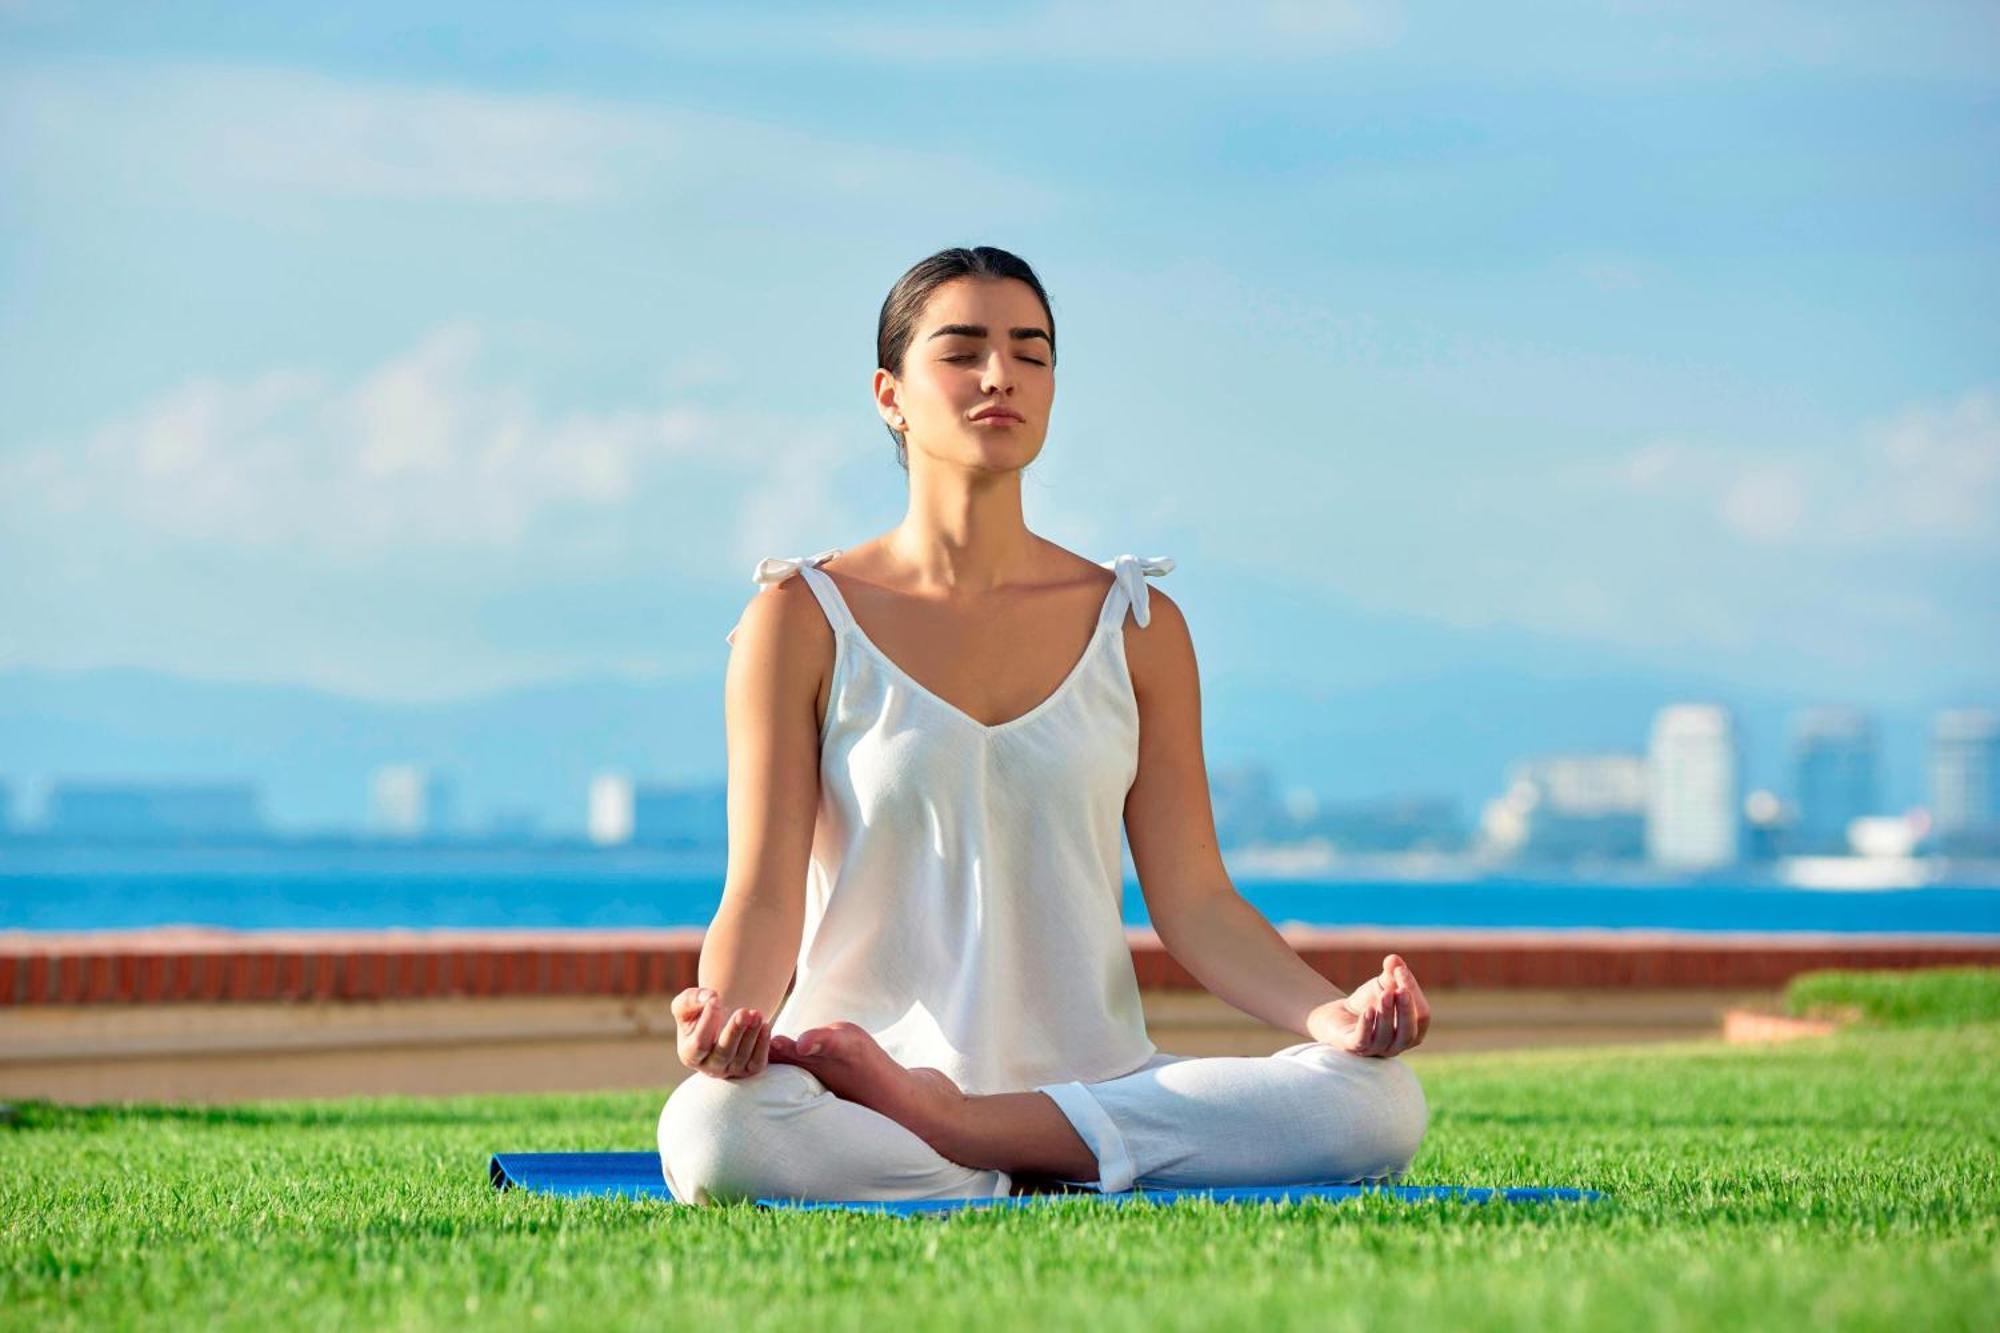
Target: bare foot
{"x":853,"y":1065}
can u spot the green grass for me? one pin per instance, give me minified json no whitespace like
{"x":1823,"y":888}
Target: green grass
{"x":1848,"y":1181}
{"x":1944,"y":996}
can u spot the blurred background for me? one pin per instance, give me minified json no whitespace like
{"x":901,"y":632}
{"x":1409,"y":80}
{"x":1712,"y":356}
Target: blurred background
{"x":1577,"y":428}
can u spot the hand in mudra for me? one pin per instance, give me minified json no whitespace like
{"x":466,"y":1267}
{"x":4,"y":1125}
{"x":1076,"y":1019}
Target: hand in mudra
{"x":1383,"y":1016}
{"x":736,"y":1047}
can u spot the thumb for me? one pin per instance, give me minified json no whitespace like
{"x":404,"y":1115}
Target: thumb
{"x":690,"y":1003}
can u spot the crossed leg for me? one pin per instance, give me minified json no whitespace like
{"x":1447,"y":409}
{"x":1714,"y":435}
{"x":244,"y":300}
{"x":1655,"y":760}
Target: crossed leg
{"x":781,"y":1133}
{"x":844,"y":1120}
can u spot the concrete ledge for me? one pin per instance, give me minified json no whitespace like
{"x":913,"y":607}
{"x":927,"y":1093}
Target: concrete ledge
{"x":204,"y":966}
{"x":210,"y":1053}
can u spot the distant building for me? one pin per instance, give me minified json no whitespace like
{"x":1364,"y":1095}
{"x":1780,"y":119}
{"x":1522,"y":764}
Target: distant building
{"x":410,"y":801}
{"x":657,"y":814}
{"x":1769,"y":826}
{"x":172,"y":811}
{"x":609,"y":818}
{"x":1965,"y":781}
{"x":1834,"y":774}
{"x":1691,"y":780}
{"x":1385,"y":824}
{"x":1570,"y":807}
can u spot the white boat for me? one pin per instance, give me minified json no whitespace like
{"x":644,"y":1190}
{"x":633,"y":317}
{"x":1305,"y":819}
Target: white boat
{"x":1856,"y":872}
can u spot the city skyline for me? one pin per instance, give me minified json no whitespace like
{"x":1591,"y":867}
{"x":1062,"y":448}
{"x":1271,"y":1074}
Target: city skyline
{"x":1680,"y":805}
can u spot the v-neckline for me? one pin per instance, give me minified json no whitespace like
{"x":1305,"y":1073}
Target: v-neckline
{"x":853,"y":625}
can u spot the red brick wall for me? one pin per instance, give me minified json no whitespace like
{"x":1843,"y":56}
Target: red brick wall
{"x":166,"y":966}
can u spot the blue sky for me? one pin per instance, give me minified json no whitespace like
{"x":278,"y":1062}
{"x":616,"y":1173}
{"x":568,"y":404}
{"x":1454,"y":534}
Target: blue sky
{"x":419,"y":352}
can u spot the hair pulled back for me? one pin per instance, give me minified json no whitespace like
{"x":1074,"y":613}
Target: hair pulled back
{"x":897,"y":323}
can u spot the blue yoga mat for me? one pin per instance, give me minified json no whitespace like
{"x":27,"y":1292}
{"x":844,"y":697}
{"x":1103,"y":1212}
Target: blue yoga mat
{"x":637,"y":1175}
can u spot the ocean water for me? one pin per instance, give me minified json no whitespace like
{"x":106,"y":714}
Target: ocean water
{"x":316,"y":888}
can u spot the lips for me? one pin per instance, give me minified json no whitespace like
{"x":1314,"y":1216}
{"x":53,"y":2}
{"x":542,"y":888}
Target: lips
{"x":990,"y":413}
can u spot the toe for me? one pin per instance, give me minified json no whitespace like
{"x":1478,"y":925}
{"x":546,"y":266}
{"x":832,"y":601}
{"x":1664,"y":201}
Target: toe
{"x":844,"y":1040}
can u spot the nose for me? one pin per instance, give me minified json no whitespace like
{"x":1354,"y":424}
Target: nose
{"x":995,"y":374}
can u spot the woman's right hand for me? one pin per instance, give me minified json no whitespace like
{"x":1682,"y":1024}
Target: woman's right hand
{"x":733,"y":1048}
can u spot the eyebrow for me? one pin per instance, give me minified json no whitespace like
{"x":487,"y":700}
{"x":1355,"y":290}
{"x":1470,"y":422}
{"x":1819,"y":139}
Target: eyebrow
{"x":979,"y":331}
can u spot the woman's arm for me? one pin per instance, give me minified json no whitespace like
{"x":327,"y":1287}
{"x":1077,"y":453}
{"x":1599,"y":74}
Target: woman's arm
{"x":1202,"y":920}
{"x":771,"y":713}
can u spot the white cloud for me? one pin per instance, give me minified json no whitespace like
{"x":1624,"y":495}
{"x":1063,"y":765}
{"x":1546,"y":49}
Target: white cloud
{"x":1927,"y":477}
{"x":1939,"y":470}
{"x":427,"y":452}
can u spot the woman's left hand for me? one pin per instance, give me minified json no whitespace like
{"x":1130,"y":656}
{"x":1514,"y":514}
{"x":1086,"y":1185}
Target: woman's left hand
{"x":1383,"y":1016}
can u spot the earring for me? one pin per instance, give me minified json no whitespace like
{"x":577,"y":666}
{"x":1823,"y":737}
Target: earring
{"x":900,"y":423}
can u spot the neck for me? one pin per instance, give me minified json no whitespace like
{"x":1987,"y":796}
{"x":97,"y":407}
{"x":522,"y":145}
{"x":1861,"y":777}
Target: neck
{"x":964,"y":535}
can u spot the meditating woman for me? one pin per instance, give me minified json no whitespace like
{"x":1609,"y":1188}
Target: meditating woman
{"x":932,"y":737}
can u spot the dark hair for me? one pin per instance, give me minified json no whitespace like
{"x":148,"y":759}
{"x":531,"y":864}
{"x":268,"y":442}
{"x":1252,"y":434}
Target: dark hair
{"x":897,"y":323}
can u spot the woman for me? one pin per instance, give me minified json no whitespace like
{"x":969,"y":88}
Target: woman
{"x":931,"y":735}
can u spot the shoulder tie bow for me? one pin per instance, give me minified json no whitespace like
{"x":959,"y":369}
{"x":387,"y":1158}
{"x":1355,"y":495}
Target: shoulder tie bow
{"x":1131,"y":571}
{"x":773,"y":569}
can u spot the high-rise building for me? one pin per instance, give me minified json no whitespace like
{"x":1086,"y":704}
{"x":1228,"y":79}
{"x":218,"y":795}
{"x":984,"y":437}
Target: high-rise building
{"x":657,"y":814}
{"x":1691,"y":780}
{"x":182,"y":811}
{"x":1965,"y":781}
{"x":1569,"y":807}
{"x":609,"y":818}
{"x":1834,"y":773}
{"x":410,"y":801}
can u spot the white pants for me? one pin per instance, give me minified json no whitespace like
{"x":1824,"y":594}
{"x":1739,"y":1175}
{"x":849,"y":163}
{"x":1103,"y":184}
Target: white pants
{"x":1309,"y":1113}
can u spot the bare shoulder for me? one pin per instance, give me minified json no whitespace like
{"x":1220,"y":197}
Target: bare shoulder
{"x":782,"y":626}
{"x":1162,"y":653}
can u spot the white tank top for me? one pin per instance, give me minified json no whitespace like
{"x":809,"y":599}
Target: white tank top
{"x":962,"y":901}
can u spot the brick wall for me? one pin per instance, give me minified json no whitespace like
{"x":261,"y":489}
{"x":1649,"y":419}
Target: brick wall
{"x":190,"y":965}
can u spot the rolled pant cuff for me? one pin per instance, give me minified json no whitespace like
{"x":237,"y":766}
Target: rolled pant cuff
{"x":1099,"y":1133}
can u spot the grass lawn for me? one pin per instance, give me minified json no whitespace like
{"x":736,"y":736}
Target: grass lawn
{"x":1845,"y":1181}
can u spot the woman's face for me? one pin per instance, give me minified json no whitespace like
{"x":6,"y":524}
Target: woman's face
{"x":980,"y":343}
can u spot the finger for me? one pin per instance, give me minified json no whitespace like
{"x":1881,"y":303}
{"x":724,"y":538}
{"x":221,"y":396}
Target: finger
{"x":707,"y":1028}
{"x":688,"y":1004}
{"x":1419,"y":1005}
{"x":725,"y":1041}
{"x":746,"y":1044}
{"x":1365,"y":1034}
{"x":1406,"y":1024}
{"x":746,"y":1036}
{"x":1385,"y":1010}
{"x":1385,"y":1029}
{"x":761,"y":1056}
